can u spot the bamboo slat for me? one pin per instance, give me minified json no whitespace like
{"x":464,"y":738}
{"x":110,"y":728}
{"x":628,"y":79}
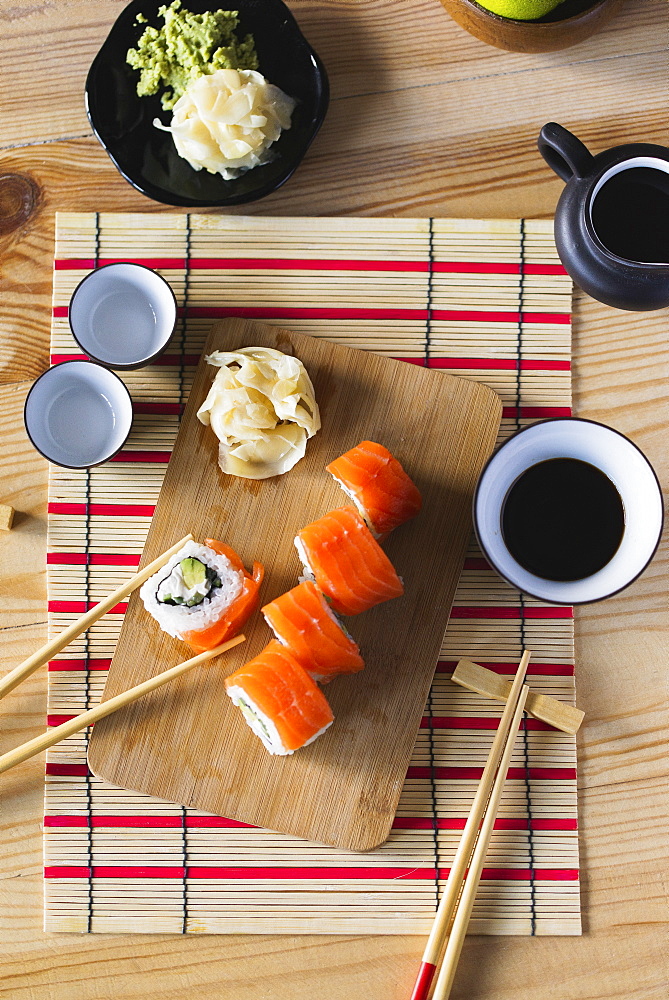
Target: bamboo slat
{"x":158,"y":868}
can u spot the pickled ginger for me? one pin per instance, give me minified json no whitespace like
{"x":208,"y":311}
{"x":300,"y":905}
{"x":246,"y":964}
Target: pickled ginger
{"x":226,"y":121}
{"x":262,"y":408}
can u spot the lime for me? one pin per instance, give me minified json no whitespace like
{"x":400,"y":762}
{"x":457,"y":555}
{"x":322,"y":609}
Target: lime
{"x":520,"y":10}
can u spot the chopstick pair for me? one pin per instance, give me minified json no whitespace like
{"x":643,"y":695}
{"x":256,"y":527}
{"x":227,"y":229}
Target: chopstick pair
{"x":55,"y":645}
{"x":59,"y":642}
{"x":450,"y":923}
{"x":79,"y":722}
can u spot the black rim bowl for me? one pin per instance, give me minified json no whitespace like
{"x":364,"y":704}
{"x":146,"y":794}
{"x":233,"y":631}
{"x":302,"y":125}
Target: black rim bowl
{"x":61,"y":465}
{"x":134,"y":365}
{"x":147,"y":157}
{"x":537,"y":597}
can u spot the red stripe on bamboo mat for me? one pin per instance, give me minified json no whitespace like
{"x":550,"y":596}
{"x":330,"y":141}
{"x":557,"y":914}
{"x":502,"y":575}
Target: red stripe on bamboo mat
{"x":92,"y":559}
{"x":476,"y":723}
{"x":79,"y":664}
{"x":478,"y":564}
{"x":151,"y":457}
{"x":536,"y":669}
{"x":491,"y":612}
{"x":165,"y":360}
{"x":493,"y":364}
{"x":535,"y":412}
{"x":445,"y":773}
{"x":458,"y":823}
{"x":427,"y":722}
{"x":148,"y":822}
{"x":475,"y":773}
{"x":102,"y":510}
{"x":443,"y":667}
{"x":58,"y":770}
{"x":89,"y":263}
{"x":498,"y":316}
{"x":309,"y":264}
{"x":175,"y":822}
{"x":215,"y":822}
{"x":277,"y":874}
{"x":80,"y":607}
{"x":162,"y":409}
{"x":101,"y":822}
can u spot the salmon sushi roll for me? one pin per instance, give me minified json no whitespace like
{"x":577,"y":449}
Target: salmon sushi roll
{"x":304,"y":623}
{"x":279,"y":700}
{"x":349,"y":566}
{"x":204,"y":594}
{"x":378,"y":485}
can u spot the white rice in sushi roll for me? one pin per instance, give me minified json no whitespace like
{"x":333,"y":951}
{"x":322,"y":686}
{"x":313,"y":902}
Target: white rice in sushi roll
{"x":178,"y":618}
{"x":262,"y":725}
{"x":360,"y":507}
{"x":307,"y":572}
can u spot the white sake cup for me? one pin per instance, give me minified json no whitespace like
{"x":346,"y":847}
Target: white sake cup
{"x":608,"y":450}
{"x":78,"y":414}
{"x":123,"y":315}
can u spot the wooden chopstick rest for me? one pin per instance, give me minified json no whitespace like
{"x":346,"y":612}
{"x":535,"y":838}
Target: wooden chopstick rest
{"x":486,"y":682}
{"x":6,"y":517}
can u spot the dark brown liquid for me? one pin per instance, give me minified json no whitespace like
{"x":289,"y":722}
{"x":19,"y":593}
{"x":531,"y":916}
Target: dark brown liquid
{"x":563,"y":519}
{"x":630,"y":215}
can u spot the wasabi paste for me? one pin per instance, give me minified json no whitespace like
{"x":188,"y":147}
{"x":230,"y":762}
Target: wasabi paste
{"x":186,"y":47}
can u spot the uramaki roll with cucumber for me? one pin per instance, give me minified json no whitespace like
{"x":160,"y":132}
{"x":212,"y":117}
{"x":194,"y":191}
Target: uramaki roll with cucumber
{"x":204,"y":594}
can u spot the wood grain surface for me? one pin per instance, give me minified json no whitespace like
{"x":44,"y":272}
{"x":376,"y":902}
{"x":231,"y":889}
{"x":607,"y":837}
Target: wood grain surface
{"x":399,"y":70}
{"x":188,"y":743}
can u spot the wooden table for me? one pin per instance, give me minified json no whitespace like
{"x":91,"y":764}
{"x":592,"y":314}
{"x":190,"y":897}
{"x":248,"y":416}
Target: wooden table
{"x":424,"y":120}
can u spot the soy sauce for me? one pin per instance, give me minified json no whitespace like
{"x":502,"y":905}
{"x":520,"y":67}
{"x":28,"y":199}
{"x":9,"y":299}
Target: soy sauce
{"x":630,"y":215}
{"x":563,"y":519}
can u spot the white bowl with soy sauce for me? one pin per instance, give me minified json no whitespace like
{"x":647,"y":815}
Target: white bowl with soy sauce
{"x":568,"y":511}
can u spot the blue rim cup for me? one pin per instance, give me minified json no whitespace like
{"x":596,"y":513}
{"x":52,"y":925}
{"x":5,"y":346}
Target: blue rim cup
{"x":123,"y":315}
{"x":621,"y":461}
{"x":78,"y":414}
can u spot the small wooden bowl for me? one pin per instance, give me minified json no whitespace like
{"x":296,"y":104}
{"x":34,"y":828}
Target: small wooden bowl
{"x":568,"y":24}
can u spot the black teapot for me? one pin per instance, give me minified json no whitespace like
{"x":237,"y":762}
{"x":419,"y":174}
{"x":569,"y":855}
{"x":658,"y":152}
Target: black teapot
{"x":612,"y":219}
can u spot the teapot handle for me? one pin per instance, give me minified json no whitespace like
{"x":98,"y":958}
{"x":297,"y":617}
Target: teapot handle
{"x":563,"y":152}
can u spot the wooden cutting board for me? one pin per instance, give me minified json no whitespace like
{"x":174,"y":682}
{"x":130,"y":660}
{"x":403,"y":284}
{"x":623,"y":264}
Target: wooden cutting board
{"x":186,"y":742}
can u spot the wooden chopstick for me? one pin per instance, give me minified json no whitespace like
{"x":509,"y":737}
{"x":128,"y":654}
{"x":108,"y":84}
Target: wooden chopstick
{"x":35,"y":660}
{"x":471,"y":834}
{"x":463,"y":912}
{"x":86,"y":719}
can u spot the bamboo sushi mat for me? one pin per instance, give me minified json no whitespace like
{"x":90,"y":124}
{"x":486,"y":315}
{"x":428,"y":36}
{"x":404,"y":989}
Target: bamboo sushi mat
{"x":487,"y":300}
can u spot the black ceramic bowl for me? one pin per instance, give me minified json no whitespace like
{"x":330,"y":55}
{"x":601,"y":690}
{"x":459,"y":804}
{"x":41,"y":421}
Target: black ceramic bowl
{"x":147,"y":157}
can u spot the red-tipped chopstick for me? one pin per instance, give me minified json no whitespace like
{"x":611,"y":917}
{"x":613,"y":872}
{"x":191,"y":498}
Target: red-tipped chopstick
{"x":481,"y":816}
